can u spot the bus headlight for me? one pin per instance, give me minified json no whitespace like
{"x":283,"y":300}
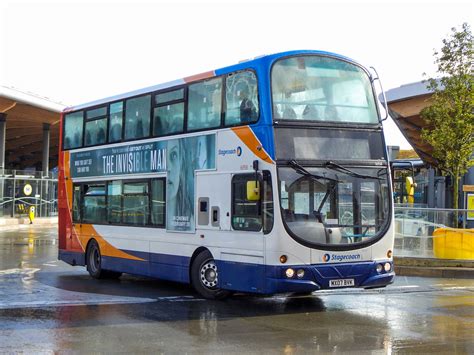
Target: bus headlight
{"x":300,"y":273}
{"x":290,"y":273}
{"x":379,"y":268}
{"x":387,"y":267}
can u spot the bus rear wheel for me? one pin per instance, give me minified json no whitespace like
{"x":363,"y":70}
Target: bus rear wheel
{"x":94,"y":263}
{"x":204,"y":277}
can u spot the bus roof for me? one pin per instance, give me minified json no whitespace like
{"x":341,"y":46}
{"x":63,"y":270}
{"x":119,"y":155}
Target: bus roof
{"x":241,"y":65}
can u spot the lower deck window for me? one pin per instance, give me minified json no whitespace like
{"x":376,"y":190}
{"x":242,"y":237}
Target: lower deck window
{"x":135,"y":203}
{"x":94,"y":204}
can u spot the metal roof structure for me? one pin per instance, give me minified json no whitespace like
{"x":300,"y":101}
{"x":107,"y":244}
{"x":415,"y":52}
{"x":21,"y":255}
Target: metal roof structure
{"x":27,"y":115}
{"x":405,"y":104}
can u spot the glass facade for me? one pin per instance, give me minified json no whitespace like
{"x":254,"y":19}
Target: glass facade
{"x":20,"y":190}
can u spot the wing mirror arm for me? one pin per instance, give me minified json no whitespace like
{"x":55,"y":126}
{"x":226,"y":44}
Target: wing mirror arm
{"x":384,"y":103}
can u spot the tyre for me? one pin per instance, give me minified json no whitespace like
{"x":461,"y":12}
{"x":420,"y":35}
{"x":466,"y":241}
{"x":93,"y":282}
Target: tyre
{"x":94,"y":263}
{"x":204,"y":277}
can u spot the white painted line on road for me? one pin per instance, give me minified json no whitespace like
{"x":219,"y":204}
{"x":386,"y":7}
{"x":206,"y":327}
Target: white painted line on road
{"x":68,"y":303}
{"x":179,"y":299}
{"x":408,"y":286}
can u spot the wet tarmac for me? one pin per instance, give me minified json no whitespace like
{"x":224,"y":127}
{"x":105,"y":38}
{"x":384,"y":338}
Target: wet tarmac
{"x":47,"y":306}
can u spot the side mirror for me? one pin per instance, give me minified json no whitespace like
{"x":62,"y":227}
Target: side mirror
{"x":253,"y":190}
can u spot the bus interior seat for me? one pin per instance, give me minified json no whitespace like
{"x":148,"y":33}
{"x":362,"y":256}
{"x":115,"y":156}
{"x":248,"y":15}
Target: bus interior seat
{"x":289,"y":215}
{"x":330,"y":113}
{"x":333,"y":235}
{"x":289,"y":113}
{"x":101,"y":136}
{"x":116,"y":132}
{"x":77,"y":140}
{"x":311,"y":113}
{"x":276,"y":113}
{"x":88,"y":138}
{"x":301,"y":217}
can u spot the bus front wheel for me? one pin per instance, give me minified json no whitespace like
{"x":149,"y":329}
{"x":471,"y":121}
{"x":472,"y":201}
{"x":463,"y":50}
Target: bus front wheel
{"x":204,"y":277}
{"x":94,"y":263}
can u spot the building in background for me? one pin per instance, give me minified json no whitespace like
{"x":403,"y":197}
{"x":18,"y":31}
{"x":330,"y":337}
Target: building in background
{"x":405,"y":104}
{"x":29,"y":138}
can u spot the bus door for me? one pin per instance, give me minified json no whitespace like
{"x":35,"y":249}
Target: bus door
{"x":239,"y":218}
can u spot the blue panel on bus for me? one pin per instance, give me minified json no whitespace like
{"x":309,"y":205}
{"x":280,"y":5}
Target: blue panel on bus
{"x":134,"y":267}
{"x":245,"y":277}
{"x":241,"y":276}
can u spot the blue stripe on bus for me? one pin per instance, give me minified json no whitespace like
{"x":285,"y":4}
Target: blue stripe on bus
{"x":244,"y":277}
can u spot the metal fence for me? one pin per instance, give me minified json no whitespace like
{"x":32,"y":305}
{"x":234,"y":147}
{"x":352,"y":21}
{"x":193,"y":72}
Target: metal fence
{"x":414,"y":229}
{"x":19,"y":190}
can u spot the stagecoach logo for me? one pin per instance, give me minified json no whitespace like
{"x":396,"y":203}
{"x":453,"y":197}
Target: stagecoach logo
{"x":337,"y":257}
{"x":237,"y":151}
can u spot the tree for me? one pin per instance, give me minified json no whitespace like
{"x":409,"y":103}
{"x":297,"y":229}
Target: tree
{"x":450,"y":117}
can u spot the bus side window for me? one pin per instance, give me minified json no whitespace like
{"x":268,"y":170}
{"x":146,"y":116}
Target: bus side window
{"x":246,"y":214}
{"x":137,"y":117}
{"x":94,"y":209}
{"x":115,"y":122}
{"x":76,"y":204}
{"x":136,"y":206}
{"x":158,"y":202}
{"x":73,"y":124}
{"x":267,"y":201}
{"x":241,"y":98}
{"x":204,"y":104}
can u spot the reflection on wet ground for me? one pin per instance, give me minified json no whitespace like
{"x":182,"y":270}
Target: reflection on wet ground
{"x":46,"y":305}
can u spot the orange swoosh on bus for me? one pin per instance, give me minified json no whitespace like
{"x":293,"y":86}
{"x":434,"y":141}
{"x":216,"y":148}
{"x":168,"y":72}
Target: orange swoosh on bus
{"x":249,"y":138}
{"x":68,"y":181}
{"x":201,"y":76}
{"x":106,"y":249}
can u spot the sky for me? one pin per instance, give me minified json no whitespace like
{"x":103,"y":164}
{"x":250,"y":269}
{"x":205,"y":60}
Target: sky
{"x":75,"y":52}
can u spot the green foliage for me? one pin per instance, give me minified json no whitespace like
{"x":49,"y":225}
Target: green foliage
{"x":450,"y":118}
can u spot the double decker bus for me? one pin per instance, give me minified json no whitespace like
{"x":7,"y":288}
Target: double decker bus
{"x":269,"y":176}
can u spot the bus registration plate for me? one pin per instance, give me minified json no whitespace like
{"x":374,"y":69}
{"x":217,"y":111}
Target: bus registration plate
{"x":341,"y":283}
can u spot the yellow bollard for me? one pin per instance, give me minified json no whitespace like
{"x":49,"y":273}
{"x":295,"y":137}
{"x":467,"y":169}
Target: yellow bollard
{"x":31,"y":214}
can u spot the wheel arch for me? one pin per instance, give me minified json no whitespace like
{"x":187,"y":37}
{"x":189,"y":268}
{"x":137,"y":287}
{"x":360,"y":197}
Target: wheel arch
{"x":193,"y":257}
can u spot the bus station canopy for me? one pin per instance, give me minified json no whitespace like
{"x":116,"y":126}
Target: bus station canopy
{"x":27,"y":116}
{"x":405,"y":104}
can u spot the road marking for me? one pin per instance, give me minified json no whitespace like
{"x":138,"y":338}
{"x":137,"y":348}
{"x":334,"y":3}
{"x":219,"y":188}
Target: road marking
{"x":18,"y":289}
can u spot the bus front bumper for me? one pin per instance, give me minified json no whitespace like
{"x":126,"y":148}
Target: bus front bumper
{"x":319,"y":276}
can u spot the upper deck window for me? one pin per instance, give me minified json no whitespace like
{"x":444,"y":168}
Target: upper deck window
{"x":73,"y":126}
{"x":116,"y":120}
{"x":137,"y":117}
{"x":168,"y":116}
{"x":96,"y":126}
{"x":315,"y":88}
{"x":241,"y":98}
{"x":204,"y":104}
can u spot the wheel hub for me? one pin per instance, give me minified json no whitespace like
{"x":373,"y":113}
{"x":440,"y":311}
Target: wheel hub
{"x":209,"y":274}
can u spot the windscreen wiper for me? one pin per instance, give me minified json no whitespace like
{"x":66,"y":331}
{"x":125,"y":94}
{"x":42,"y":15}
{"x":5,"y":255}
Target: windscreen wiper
{"x":300,"y":170}
{"x":333,"y":166}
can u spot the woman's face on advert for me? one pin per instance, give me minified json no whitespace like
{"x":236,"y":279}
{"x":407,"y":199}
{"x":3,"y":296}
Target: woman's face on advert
{"x":174,"y":167}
